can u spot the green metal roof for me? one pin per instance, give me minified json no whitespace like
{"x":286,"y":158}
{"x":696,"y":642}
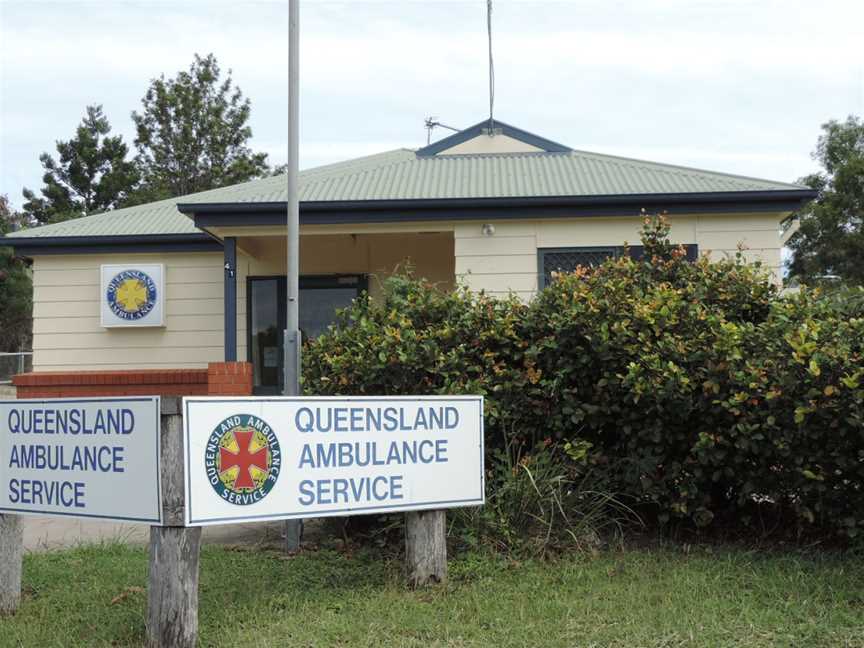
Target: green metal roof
{"x":403,"y":175}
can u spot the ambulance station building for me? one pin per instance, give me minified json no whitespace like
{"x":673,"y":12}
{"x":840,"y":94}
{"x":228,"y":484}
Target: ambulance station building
{"x":187,"y":295}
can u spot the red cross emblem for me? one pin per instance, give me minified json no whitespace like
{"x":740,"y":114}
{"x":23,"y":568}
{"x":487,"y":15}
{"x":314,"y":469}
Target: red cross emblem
{"x":243,"y":459}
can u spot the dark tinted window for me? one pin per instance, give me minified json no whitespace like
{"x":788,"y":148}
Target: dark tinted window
{"x":266,"y":332}
{"x":551,"y":260}
{"x":320,"y":297}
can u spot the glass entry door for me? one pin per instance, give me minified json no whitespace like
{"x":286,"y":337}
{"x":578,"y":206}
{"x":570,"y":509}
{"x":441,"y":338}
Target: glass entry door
{"x":320,"y":296}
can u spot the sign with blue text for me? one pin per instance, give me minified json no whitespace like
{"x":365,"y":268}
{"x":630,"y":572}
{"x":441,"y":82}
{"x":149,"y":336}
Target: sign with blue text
{"x":81,"y":457}
{"x":277,"y":458}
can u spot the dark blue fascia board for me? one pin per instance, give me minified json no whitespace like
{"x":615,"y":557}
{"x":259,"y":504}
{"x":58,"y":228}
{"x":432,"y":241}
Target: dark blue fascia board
{"x":396,"y":211}
{"x":506,"y":129}
{"x":46,"y":245}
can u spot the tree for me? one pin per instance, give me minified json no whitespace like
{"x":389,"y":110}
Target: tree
{"x":16,"y":289}
{"x":830,"y":241}
{"x":192,"y":134}
{"x":91,"y":175}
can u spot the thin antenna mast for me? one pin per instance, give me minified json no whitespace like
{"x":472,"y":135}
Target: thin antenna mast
{"x":491,"y":68}
{"x":432,"y":122}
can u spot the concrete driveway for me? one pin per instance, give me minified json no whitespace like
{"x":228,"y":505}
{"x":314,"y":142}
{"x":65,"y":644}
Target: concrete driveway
{"x":46,"y":533}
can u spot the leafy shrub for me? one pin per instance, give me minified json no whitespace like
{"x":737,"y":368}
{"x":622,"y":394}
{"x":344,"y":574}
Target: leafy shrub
{"x":692,"y":390}
{"x":421,"y":340}
{"x":789,"y":410}
{"x":624,"y":350}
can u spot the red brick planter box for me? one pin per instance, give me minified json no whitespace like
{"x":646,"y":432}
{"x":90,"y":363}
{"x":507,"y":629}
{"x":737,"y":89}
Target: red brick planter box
{"x":219,"y":379}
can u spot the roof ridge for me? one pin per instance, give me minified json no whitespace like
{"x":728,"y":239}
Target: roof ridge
{"x":659,"y":166}
{"x":326,"y":168}
{"x":681,"y":167}
{"x":356,"y":165}
{"x":102,"y":215}
{"x":352,"y":174}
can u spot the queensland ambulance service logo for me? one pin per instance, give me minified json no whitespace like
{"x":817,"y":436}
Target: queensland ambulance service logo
{"x":131,"y":294}
{"x":242,"y":459}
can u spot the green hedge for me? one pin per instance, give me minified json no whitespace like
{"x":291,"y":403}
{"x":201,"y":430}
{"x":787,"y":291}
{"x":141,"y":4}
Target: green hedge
{"x":695,"y":389}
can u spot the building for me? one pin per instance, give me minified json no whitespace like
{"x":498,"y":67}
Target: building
{"x":497,"y":209}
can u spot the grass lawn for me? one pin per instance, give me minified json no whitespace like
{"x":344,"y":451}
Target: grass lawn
{"x":642,"y":597}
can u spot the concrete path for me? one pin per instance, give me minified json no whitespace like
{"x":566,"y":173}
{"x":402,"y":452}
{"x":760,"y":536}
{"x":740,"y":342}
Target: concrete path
{"x":46,"y":533}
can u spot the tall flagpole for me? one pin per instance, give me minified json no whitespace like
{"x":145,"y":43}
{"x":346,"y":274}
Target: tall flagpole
{"x":291,"y":386}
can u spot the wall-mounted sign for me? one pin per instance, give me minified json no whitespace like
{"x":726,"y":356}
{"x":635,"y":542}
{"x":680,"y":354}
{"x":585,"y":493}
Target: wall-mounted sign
{"x":81,"y":457}
{"x":133,"y":295}
{"x":277,"y":458}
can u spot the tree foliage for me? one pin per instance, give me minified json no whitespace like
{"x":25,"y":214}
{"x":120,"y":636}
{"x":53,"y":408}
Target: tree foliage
{"x":90,"y":175}
{"x":16,"y":289}
{"x":830,"y":241}
{"x":192,"y":134}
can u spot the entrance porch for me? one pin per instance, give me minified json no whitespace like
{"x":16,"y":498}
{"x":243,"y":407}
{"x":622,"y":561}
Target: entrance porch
{"x":334,"y":269}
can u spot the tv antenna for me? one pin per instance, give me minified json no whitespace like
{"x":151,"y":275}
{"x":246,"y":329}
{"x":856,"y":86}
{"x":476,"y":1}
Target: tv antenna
{"x":432,"y":123}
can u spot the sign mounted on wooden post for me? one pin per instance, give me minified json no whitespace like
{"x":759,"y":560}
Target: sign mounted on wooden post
{"x":274,"y":458}
{"x":82,"y":457}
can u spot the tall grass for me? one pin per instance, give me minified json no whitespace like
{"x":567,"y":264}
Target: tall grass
{"x":541,"y":501}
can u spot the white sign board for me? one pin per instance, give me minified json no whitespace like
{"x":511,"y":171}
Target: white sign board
{"x":133,"y":295}
{"x":81,"y":457}
{"x":250,"y":459}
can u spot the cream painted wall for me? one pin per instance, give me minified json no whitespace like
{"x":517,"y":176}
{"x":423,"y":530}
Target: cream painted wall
{"x":67,"y":334}
{"x":507,"y":261}
{"x":485,"y":144}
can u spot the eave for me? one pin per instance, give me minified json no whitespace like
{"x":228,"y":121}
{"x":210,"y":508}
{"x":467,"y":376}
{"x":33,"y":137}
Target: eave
{"x":212,"y":215}
{"x":455,"y":209}
{"x":140,"y":244}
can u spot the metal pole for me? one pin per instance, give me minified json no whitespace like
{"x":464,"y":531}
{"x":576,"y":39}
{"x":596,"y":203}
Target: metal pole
{"x":291,"y":386}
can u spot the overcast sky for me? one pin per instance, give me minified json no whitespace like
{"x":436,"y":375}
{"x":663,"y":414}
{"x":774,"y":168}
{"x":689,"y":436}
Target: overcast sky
{"x":730,"y":85}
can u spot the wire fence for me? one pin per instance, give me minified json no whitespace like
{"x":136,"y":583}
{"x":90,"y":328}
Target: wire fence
{"x":14,"y":363}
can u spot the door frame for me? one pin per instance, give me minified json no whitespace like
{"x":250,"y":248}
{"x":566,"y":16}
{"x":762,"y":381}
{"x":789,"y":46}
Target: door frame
{"x":307,"y":282}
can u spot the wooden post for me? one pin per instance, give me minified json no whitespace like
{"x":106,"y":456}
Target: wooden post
{"x":426,"y":547}
{"x":293,"y":535}
{"x":11,"y":552}
{"x":172,"y":612}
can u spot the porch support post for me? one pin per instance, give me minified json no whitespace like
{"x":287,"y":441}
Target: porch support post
{"x":230,"y":253}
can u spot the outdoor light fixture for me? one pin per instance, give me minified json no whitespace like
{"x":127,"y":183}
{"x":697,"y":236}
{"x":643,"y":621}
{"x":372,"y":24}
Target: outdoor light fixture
{"x":487,"y":229}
